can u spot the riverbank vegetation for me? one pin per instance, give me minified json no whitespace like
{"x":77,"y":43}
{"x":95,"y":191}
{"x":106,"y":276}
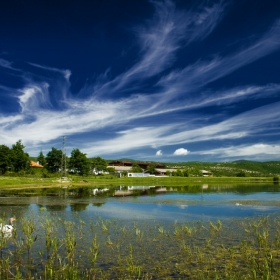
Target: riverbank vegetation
{"x":56,"y":248}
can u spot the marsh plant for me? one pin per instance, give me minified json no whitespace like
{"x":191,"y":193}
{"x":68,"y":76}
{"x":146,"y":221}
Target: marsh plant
{"x":56,"y":248}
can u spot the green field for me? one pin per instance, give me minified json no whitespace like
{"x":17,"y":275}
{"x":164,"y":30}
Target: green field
{"x":30,"y":182}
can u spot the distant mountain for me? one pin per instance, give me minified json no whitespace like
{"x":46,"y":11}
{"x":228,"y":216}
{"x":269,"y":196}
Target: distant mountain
{"x":127,"y":159}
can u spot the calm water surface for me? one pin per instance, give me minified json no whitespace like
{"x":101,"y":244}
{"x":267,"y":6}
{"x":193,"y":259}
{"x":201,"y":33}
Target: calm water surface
{"x":189,"y":203}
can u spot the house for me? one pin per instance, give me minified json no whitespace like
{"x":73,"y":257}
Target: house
{"x":121,"y":166}
{"x":206,"y":173}
{"x":35,"y":164}
{"x":138,"y":174}
{"x":162,"y":171}
{"x":143,"y":165}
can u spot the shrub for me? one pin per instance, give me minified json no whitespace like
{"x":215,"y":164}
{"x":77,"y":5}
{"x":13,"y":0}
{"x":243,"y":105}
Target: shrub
{"x":276,"y":180}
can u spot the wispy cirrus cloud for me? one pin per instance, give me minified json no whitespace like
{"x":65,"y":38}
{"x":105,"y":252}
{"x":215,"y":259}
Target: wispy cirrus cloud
{"x":5,"y":63}
{"x":160,"y":38}
{"x":178,"y":134}
{"x":258,"y":150}
{"x":202,"y":73}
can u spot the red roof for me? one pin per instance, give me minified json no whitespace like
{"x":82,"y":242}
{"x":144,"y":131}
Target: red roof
{"x":35,"y":164}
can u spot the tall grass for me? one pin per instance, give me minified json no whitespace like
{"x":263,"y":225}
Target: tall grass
{"x":56,"y":248}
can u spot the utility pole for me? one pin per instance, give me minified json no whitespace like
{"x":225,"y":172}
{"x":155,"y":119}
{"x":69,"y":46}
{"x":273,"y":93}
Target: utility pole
{"x":63,"y":158}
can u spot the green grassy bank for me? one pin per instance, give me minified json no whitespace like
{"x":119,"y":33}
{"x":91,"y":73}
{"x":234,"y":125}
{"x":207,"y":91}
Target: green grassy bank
{"x":27,"y":182}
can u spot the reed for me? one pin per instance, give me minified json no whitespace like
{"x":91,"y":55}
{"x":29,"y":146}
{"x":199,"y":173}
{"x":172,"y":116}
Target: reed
{"x":105,"y":249}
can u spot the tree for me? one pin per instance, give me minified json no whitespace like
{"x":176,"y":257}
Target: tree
{"x":135,"y":168}
{"x":20,"y":159}
{"x":179,"y":173}
{"x":111,"y":169}
{"x":5,"y":158}
{"x":242,"y":174}
{"x":53,"y":160}
{"x":195,"y":171}
{"x":79,"y":162}
{"x":185,"y":172}
{"x":41,"y":159}
{"x":151,"y":169}
{"x":99,"y":164}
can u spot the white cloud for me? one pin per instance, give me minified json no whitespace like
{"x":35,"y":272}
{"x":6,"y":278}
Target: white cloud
{"x":181,"y":152}
{"x":159,"y":153}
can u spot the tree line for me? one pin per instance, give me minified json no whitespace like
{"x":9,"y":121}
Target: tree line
{"x":15,"y":159}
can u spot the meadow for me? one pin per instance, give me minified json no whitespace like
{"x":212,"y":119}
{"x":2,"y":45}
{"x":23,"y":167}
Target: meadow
{"x":111,"y":180}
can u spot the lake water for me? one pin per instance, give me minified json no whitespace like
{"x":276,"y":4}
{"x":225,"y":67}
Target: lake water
{"x":156,"y":228}
{"x":189,"y":203}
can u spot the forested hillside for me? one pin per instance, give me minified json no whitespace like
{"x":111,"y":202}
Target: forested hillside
{"x":237,"y":168}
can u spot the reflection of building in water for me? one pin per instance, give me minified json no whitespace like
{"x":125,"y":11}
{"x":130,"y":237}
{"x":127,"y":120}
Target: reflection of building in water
{"x":132,"y":190}
{"x":99,"y":190}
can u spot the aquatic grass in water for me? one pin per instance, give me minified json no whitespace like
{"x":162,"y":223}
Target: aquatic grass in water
{"x":57,"y":248}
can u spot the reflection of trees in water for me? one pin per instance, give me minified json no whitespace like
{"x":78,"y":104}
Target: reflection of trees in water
{"x":81,"y":192}
{"x":13,"y":210}
{"x":236,"y":188}
{"x":55,"y":207}
{"x":139,"y":192}
{"x":32,"y":192}
{"x":98,"y":204}
{"x":78,"y":207}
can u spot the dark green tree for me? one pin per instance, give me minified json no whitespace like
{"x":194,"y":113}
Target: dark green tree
{"x":195,"y":171}
{"x":99,"y":164}
{"x":41,"y":159}
{"x":79,"y":162}
{"x":179,"y":173}
{"x":242,"y":174}
{"x":5,"y":158}
{"x":135,"y":168}
{"x":20,"y":159}
{"x":111,"y":169}
{"x":185,"y":172}
{"x":53,"y":160}
{"x":151,"y":169}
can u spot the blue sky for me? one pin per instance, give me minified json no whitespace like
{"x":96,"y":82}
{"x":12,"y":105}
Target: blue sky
{"x":148,"y":80}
